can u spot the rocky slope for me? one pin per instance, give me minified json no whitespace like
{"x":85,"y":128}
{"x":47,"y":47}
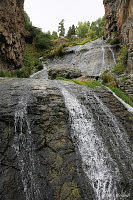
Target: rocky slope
{"x":92,"y":58}
{"x":119,"y":22}
{"x":40,"y":156}
{"x":11,"y":34}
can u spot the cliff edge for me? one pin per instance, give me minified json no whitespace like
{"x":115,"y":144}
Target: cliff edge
{"x":11,"y":34}
{"x":119,"y":23}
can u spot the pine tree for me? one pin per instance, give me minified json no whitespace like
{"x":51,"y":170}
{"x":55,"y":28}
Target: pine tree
{"x":61,"y":28}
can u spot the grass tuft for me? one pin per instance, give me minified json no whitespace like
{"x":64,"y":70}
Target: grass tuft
{"x":82,"y":81}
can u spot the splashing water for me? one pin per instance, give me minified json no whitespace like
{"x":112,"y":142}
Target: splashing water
{"x":98,"y":164}
{"x":25,"y":151}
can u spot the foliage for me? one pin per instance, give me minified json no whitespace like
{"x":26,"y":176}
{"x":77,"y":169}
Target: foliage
{"x":31,"y":59}
{"x":82,"y":29}
{"x":93,"y":30}
{"x":122,"y":60}
{"x":71,"y":31}
{"x":87,"y":82}
{"x":54,"y":35}
{"x":82,"y":81}
{"x":114,"y":41}
{"x":61,"y":28}
{"x":122,"y":95}
{"x":107,"y":77}
{"x":59,"y":49}
{"x":41,"y":40}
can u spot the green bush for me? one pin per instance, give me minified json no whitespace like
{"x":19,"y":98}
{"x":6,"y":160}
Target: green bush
{"x":107,"y":77}
{"x":114,"y":41}
{"x":31,"y":61}
{"x":122,"y":61}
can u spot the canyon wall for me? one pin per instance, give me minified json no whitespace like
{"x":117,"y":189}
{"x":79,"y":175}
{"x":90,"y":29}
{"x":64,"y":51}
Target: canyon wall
{"x":11,"y":34}
{"x":119,"y":23}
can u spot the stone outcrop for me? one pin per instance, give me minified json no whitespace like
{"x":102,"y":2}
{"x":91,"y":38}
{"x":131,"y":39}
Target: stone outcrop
{"x":11,"y":34}
{"x":119,"y":23}
{"x":64,"y":71}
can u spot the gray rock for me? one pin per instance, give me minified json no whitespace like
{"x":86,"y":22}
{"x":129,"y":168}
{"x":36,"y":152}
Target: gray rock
{"x":64,"y":71}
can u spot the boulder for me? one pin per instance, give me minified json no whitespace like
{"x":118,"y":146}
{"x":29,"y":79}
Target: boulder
{"x":64,"y":71}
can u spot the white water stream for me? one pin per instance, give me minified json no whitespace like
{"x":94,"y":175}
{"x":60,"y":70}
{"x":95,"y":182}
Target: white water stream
{"x":113,"y":55}
{"x":25,"y":151}
{"x":101,"y":169}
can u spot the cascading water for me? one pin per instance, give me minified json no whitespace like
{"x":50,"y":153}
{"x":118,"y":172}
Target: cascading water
{"x":23,"y":146}
{"x":103,"y":56}
{"x":102,"y":167}
{"x":113,"y":55}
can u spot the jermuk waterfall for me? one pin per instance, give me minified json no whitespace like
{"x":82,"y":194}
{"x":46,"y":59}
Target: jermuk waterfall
{"x":64,"y":141}
{"x":93,"y":142}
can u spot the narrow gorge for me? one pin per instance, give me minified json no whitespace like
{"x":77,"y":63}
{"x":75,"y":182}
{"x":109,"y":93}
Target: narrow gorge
{"x":60,"y":140}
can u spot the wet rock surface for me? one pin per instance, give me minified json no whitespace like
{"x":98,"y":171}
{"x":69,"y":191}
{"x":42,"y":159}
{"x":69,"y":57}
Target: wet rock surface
{"x":34,"y":110}
{"x":92,"y":58}
{"x":54,"y":160}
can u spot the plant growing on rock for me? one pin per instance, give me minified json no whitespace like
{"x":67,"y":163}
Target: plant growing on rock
{"x":108,"y":77}
{"x":122,"y":60}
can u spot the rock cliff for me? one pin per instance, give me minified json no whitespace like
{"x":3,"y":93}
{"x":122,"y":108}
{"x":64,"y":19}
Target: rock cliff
{"x":119,"y":23}
{"x":11,"y":34}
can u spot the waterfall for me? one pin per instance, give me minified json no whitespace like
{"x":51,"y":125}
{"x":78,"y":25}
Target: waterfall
{"x":103,"y":56}
{"x":113,"y":55}
{"x":23,"y":146}
{"x":98,"y":162}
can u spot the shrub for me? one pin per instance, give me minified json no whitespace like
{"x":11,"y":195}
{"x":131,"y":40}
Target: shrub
{"x":114,"y":41}
{"x":107,"y":77}
{"x":31,"y":61}
{"x":122,"y":60}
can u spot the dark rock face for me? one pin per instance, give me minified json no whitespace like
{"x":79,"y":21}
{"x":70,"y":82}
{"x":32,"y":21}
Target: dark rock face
{"x":64,"y":71}
{"x":119,"y":19}
{"x":39,"y":158}
{"x":45,"y":163}
{"x":11,"y":34}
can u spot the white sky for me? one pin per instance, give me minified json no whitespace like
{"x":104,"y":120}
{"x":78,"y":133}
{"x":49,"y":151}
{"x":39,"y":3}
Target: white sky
{"x":47,"y":14}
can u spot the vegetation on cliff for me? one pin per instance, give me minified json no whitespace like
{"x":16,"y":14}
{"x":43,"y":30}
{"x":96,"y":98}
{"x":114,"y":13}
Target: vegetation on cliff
{"x":122,"y":60}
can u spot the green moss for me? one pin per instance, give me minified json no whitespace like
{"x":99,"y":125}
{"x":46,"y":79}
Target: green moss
{"x":122,"y":95}
{"x":82,"y":81}
{"x":122,"y":61}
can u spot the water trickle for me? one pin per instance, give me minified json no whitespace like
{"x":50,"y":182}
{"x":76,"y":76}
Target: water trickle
{"x":25,"y":151}
{"x":103,"y":52}
{"x":113,"y":55}
{"x":98,"y":163}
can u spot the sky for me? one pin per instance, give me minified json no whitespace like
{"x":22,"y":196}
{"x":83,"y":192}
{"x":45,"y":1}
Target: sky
{"x":47,"y":14}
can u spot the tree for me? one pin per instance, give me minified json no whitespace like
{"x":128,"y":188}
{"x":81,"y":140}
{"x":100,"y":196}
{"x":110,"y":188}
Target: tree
{"x":82,"y":29}
{"x":69,"y":33}
{"x":61,"y":28}
{"x":98,"y":27}
{"x":54,"y":35}
{"x":73,"y":30}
